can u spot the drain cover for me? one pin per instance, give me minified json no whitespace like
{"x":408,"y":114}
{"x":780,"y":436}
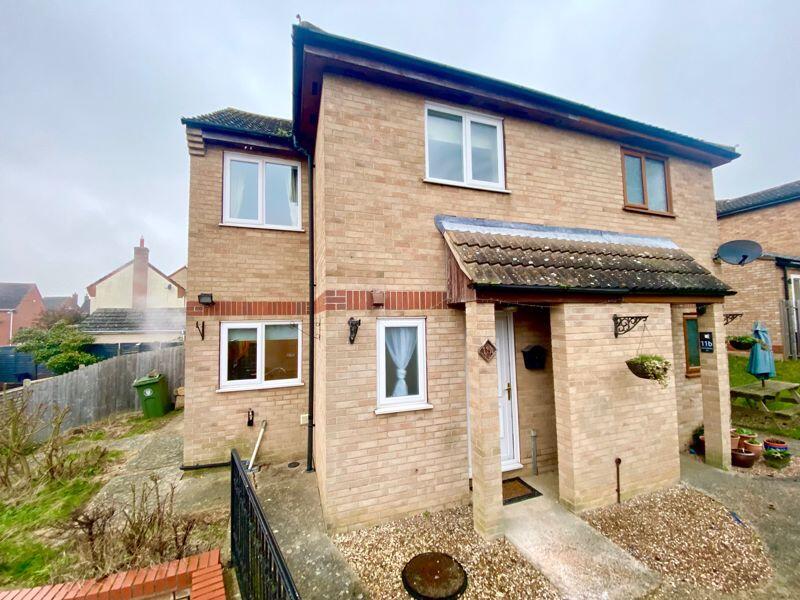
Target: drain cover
{"x":434,"y":576}
{"x":294,"y":464}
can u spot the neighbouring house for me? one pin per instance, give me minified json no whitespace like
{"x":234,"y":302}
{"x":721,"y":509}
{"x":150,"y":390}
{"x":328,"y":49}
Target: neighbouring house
{"x":21,"y":305}
{"x":135,"y":303}
{"x":478,"y":255}
{"x":180,"y":276}
{"x":768,"y":288}
{"x":62,"y":303}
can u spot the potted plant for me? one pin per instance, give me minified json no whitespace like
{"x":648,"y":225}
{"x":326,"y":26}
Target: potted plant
{"x":777,"y":459}
{"x":745,"y":435}
{"x":754,"y":446}
{"x":699,"y":440}
{"x":775,"y":444}
{"x":742,"y":342}
{"x":742,"y":458}
{"x":650,"y":366}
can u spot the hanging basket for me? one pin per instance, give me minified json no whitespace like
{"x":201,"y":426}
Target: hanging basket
{"x":638,"y":369}
{"x":741,"y":344}
{"x":655,"y":368}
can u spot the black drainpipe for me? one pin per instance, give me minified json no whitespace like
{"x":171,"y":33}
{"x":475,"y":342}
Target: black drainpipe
{"x":311,"y":311}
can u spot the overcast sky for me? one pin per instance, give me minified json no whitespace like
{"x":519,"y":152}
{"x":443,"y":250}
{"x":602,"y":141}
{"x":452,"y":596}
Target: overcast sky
{"x":92,"y":153}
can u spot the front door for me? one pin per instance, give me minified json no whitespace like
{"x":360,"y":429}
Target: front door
{"x":507,"y":391}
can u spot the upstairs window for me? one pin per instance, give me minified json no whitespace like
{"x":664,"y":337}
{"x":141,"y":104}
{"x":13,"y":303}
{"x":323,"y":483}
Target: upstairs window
{"x":261,"y":192}
{"x":646,"y":182}
{"x":691,"y":341}
{"x":463,"y":148}
{"x":260,"y":354}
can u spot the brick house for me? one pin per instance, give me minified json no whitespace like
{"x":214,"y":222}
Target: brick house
{"x":765,"y":285}
{"x":450,"y":221}
{"x":21,"y":305}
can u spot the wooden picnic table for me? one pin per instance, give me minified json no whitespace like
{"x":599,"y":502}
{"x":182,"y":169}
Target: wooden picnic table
{"x":769,"y":390}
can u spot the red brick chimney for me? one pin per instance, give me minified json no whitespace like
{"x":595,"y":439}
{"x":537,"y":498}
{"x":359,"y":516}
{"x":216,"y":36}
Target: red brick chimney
{"x":141,"y":263}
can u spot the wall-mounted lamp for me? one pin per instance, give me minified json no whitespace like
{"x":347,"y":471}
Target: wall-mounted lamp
{"x":206,"y":298}
{"x":354,"y":324}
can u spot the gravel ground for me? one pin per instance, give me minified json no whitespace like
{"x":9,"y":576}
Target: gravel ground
{"x":688,"y":537}
{"x":761,"y":469}
{"x":494,"y":570}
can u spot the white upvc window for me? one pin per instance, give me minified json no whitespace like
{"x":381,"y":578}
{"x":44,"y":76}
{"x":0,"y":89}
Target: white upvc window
{"x":463,"y":148}
{"x":402,"y":379}
{"x":260,"y":354}
{"x":261,"y":192}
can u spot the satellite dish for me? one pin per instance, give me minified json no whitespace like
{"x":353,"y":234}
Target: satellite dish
{"x":739,"y":252}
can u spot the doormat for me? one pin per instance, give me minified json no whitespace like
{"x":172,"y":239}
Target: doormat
{"x":516,"y":490}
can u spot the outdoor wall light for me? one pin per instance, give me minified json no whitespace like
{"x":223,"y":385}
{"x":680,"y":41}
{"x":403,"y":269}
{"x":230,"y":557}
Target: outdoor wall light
{"x":353,"y":324}
{"x":205,"y":298}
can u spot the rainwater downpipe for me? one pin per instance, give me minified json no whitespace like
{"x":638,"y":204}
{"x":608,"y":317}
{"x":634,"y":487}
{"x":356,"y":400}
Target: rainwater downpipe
{"x":311,"y":308}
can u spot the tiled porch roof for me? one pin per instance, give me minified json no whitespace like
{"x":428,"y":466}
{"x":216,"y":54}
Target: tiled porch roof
{"x":521,"y":255}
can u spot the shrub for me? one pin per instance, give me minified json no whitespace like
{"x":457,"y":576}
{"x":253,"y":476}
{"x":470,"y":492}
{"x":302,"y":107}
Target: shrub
{"x":60,"y":348}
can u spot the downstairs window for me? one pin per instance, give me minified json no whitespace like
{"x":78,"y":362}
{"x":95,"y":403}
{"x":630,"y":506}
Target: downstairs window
{"x":260,"y":354}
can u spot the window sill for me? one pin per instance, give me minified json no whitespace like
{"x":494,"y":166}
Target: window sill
{"x":260,"y":386}
{"x":398,"y":408}
{"x":644,"y":211}
{"x":268,"y":227}
{"x":471,"y":186}
{"x":693,"y":375}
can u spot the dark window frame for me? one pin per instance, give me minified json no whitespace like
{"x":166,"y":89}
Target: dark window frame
{"x":644,"y":208}
{"x":691,"y":370}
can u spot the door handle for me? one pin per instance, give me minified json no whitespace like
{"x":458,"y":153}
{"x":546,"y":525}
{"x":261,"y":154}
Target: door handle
{"x":508,"y":391}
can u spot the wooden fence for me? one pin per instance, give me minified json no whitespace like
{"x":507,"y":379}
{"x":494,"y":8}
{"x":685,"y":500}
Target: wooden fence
{"x":105,"y":388}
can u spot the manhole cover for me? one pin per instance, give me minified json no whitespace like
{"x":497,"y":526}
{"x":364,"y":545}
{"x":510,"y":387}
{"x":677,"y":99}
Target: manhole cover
{"x":434,"y":576}
{"x":294,"y":464}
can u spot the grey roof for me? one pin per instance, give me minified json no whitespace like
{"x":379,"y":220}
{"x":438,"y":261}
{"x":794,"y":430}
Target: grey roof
{"x":119,"y":320}
{"x":55,"y":302}
{"x":238,"y":121}
{"x":521,"y":255}
{"x":11,"y":294}
{"x":787,"y":192}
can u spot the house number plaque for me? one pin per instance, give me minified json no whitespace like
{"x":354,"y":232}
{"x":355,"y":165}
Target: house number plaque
{"x":487,"y":351}
{"x":706,"y":341}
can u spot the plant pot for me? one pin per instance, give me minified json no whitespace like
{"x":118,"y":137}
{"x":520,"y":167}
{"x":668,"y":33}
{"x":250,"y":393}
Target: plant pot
{"x":745,"y":438}
{"x":756,"y":449}
{"x":700,"y":446}
{"x":738,"y":345}
{"x":777,"y":463}
{"x":742,"y":458}
{"x":775,"y":444}
{"x":734,"y":442}
{"x":638,"y":370}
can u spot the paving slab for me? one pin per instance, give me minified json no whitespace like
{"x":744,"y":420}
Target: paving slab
{"x":291,"y":502}
{"x":577,"y":559}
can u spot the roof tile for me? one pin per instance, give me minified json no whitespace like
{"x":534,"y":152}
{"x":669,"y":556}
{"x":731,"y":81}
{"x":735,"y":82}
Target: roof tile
{"x":239,"y":121}
{"x":776,"y":195}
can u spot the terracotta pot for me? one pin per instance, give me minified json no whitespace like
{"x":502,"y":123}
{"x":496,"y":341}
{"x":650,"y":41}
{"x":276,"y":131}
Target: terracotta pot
{"x":734,"y":442}
{"x":756,"y":449}
{"x":745,"y":438}
{"x":775,"y":444}
{"x":742,"y":458}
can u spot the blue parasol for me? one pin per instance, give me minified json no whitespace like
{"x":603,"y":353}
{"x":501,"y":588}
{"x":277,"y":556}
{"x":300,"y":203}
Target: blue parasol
{"x":762,"y":362}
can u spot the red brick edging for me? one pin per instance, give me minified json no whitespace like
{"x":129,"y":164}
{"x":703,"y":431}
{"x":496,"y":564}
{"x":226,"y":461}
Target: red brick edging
{"x":201,"y":574}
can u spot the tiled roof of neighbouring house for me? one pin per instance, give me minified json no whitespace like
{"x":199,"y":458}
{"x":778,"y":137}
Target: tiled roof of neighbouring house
{"x":521,"y":255}
{"x":776,"y":195}
{"x":118,"y":320}
{"x":11,"y":294}
{"x":238,"y":121}
{"x":55,"y":302}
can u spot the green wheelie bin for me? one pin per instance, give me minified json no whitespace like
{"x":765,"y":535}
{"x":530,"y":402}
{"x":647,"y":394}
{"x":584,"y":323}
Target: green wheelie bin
{"x":153,"y":393}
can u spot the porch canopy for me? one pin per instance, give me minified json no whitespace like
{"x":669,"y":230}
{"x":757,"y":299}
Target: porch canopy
{"x":504,"y":261}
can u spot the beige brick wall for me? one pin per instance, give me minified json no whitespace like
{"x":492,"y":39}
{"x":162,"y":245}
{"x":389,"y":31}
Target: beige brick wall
{"x":603,"y":411}
{"x":760,"y":284}
{"x":249,"y":265}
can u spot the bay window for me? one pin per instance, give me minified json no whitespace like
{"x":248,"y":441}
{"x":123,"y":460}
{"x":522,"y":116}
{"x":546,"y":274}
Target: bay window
{"x":261,"y":192}
{"x":402,"y":381}
{"x":463,"y":148}
{"x":260,"y":354}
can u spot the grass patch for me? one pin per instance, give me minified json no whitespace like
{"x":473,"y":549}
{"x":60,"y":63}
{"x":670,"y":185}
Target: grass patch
{"x":744,"y":415}
{"x":24,"y":559}
{"x":139,"y":424}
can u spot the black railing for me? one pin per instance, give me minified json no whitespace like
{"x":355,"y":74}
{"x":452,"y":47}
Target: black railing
{"x":260,"y":567}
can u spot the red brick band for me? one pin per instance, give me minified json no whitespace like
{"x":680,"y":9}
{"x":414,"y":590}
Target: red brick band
{"x":227,"y":308}
{"x":363,"y":300}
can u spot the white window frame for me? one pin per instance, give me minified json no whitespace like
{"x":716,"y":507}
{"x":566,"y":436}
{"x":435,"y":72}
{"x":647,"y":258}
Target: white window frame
{"x":260,"y":222}
{"x":415,"y":402}
{"x":468,"y":117}
{"x":258,"y":382}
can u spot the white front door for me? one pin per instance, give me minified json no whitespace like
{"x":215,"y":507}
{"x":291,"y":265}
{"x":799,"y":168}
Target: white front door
{"x":507,"y":391}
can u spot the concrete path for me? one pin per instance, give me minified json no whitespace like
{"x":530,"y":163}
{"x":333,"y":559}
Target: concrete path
{"x":291,"y":503}
{"x":581,"y":562}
